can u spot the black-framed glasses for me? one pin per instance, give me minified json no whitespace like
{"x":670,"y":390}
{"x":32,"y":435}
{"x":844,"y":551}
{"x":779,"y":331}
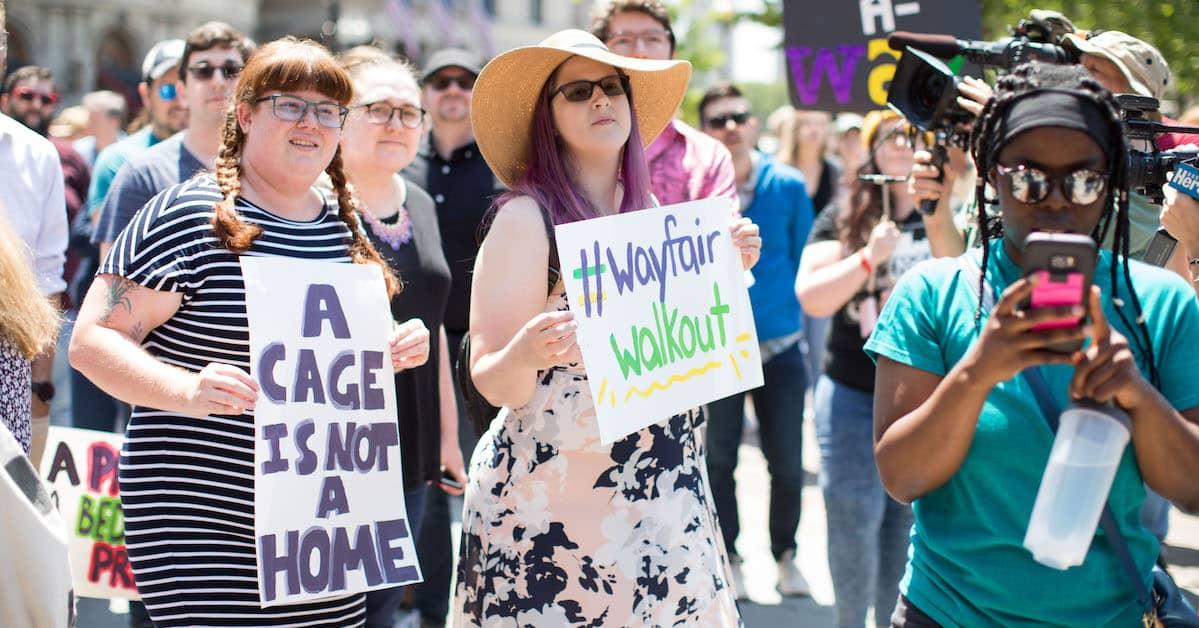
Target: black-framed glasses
{"x":1033,"y":185}
{"x":293,"y":108}
{"x":205,"y":72}
{"x":581,"y":90}
{"x":442,"y":82}
{"x":722,"y":121}
{"x":382,"y":113}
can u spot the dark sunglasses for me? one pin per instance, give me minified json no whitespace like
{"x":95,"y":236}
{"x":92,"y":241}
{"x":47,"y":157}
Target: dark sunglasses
{"x":720,"y":122}
{"x":442,"y":82}
{"x":580,"y":91}
{"x":28,"y":94}
{"x":205,"y":72}
{"x":1031,"y":185}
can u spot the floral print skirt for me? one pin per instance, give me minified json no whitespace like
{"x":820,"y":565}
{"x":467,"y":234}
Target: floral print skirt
{"x":561,"y":530}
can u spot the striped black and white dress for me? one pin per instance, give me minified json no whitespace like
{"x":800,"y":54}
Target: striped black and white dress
{"x":187,"y":484}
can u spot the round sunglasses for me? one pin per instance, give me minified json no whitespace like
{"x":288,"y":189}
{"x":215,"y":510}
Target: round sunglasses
{"x":1033,"y":185}
{"x":581,"y":91}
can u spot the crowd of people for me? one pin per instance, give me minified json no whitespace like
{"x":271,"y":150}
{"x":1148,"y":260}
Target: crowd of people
{"x":901,"y":332}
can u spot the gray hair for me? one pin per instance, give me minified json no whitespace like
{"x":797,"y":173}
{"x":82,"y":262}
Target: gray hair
{"x":107,"y":101}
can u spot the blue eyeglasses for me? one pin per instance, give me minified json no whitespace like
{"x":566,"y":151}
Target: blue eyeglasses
{"x":166,"y":91}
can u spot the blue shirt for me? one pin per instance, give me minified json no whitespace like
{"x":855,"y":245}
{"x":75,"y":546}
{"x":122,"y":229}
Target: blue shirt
{"x":110,"y":160}
{"x":145,"y":175}
{"x":967,"y":565}
{"x":783,"y":212}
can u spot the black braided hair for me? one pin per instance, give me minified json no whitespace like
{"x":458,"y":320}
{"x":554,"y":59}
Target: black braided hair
{"x":984,"y":146}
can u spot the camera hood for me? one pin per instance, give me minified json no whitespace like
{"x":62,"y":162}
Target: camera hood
{"x":924,"y":90}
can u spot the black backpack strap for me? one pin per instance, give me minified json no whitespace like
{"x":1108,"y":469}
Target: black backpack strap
{"x":555,"y":272}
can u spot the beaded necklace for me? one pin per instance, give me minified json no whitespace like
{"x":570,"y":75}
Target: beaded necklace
{"x":397,"y":234}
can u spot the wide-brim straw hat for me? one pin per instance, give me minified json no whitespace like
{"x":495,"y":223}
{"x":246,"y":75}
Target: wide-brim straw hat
{"x":506,"y":93}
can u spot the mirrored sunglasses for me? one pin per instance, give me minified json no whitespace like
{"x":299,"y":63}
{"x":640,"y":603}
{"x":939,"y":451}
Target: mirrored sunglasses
{"x":1032,"y":185}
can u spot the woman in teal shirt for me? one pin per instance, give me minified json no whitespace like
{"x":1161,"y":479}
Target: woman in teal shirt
{"x":959,"y":434}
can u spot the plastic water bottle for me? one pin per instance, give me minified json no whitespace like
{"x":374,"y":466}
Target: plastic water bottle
{"x":1090,"y":442}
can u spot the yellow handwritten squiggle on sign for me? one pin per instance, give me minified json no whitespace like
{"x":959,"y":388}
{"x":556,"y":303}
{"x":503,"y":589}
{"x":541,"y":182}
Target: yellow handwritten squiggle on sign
{"x":674,"y":379}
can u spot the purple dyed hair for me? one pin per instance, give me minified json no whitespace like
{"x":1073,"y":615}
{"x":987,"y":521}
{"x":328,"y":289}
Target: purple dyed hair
{"x":547,"y":179}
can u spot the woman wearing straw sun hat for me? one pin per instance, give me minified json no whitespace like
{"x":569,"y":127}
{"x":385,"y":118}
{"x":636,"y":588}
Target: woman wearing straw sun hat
{"x":558,"y":528}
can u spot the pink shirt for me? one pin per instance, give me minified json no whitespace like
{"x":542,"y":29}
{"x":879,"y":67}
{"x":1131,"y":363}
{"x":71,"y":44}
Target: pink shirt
{"x":687,"y":165}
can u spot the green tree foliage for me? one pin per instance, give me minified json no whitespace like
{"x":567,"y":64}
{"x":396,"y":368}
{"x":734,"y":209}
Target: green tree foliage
{"x":1170,"y":25}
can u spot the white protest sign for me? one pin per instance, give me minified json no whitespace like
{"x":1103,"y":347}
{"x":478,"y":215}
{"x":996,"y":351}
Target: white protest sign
{"x":329,"y":514}
{"x":80,"y":469}
{"x":663,"y":312}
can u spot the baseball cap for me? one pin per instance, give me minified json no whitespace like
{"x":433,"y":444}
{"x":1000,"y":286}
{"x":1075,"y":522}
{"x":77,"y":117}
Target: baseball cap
{"x":846,"y":122}
{"x":451,"y":58}
{"x":165,"y":55}
{"x":1139,"y":62}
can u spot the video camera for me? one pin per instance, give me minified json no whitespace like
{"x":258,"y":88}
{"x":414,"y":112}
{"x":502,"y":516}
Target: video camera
{"x":924,"y":89}
{"x":1148,"y":170}
{"x":1031,"y":40}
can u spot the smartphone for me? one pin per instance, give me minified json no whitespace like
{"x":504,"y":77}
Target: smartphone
{"x":448,"y":480}
{"x":1064,"y":265}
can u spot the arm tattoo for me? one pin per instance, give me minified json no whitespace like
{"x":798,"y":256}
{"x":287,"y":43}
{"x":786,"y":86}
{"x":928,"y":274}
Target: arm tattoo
{"x":118,"y":296}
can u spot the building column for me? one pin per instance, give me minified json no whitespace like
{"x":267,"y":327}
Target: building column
{"x":51,"y":53}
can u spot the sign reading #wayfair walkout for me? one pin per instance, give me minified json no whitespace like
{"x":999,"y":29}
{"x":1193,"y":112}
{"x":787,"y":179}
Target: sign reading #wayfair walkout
{"x":837,"y":53}
{"x":663,"y":312}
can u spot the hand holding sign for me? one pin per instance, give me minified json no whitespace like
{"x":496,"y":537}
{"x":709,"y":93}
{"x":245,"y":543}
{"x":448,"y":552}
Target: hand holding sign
{"x":409,"y":344}
{"x":548,"y":340}
{"x":745,"y":237}
{"x":220,"y":389}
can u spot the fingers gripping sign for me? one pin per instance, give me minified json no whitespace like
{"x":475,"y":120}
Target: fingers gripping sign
{"x":409,"y":344}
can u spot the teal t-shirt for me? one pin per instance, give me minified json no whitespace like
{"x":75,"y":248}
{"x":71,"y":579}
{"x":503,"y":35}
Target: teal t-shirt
{"x":967,"y":565}
{"x":109,"y":162}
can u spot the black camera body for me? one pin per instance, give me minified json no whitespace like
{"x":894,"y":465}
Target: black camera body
{"x":925,"y":91}
{"x":1148,"y":170}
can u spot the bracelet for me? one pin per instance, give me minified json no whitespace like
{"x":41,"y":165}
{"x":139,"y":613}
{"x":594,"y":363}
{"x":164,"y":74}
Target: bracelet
{"x":865,"y":263}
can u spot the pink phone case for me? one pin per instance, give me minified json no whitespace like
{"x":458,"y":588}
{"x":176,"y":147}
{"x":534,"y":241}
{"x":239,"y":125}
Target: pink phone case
{"x":1051,"y":293}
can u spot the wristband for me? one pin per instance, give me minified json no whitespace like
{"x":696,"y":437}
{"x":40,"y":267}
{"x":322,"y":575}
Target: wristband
{"x":865,"y":263}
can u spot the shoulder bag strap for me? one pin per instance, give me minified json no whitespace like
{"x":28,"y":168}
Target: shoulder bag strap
{"x":1107,"y":521}
{"x":554,"y":265}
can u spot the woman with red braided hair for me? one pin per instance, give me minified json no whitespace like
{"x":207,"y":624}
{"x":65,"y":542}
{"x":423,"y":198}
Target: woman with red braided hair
{"x":164,"y":328}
